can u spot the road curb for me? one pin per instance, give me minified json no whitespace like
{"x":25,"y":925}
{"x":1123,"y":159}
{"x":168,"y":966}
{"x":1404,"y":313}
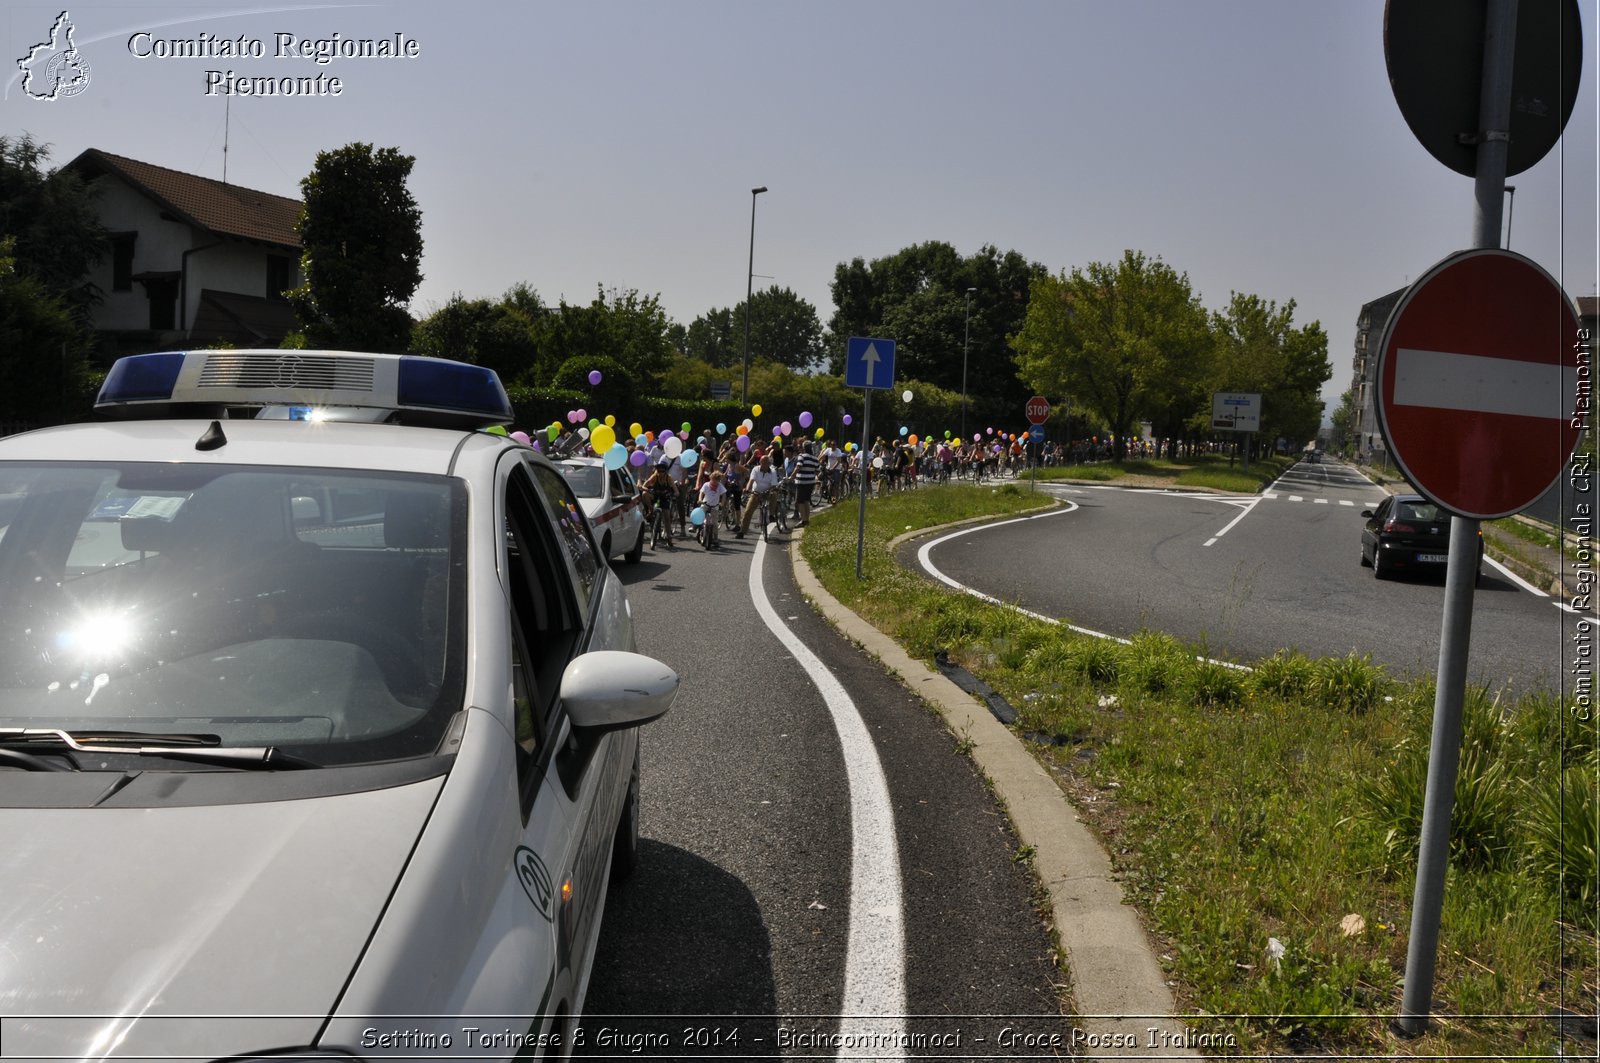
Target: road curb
{"x":1122,"y":994}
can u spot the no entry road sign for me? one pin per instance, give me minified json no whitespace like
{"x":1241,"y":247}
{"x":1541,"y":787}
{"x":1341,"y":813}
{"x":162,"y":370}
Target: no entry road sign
{"x":1483,"y":385}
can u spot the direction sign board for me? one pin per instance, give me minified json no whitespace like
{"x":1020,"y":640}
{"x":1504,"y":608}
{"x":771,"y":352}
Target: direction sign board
{"x":1036,"y":433}
{"x":1037,"y":409}
{"x":1479,"y":393}
{"x":868,"y":363}
{"x":1236,"y":411}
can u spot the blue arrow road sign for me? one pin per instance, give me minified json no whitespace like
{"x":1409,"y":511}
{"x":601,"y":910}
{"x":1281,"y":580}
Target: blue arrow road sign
{"x":1036,"y":433}
{"x":869,"y":363}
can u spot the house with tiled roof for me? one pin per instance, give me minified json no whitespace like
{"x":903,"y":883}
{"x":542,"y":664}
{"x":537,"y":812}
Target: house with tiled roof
{"x":193,"y":261}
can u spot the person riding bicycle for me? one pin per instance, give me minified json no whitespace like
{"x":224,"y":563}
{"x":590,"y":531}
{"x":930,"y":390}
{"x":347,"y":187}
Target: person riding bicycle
{"x":660,"y":490}
{"x":712,"y":493}
{"x":763,"y":478}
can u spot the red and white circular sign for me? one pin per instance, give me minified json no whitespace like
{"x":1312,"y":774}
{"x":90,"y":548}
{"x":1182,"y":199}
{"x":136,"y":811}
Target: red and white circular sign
{"x":1483,"y":388}
{"x":1037,"y":409}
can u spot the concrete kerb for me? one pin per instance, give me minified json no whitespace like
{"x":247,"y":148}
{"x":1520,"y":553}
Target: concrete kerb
{"x":1123,"y":998}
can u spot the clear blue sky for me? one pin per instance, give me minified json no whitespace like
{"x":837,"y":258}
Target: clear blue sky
{"x":1253,"y":144}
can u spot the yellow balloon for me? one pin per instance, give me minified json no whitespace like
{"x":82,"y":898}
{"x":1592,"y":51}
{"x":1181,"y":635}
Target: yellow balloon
{"x":755,"y":411}
{"x":611,"y":421}
{"x":636,"y":430}
{"x":602,"y":439}
{"x":819,"y":433}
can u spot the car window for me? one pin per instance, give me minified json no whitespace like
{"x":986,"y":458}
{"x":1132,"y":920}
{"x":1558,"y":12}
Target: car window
{"x":1423,"y":512}
{"x":587,"y":480}
{"x":309,"y":609}
{"x":572,"y":528}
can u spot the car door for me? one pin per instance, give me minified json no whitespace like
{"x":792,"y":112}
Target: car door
{"x":1369,"y":533}
{"x":570,"y":778}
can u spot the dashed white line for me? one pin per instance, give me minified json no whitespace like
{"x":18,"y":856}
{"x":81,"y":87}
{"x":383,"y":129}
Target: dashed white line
{"x":1296,"y":498}
{"x":874,"y":971}
{"x":1320,"y":501}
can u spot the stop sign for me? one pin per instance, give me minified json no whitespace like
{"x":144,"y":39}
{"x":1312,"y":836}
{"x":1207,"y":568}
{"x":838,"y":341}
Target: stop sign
{"x":1480,"y":395}
{"x":1038,"y":409}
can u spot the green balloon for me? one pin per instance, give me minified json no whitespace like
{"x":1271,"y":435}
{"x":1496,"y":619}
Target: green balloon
{"x":686,"y":427}
{"x":594,"y":422}
{"x":552,"y":432}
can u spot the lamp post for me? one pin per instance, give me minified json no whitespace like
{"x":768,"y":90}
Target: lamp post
{"x":966,"y":338}
{"x":749,"y":284}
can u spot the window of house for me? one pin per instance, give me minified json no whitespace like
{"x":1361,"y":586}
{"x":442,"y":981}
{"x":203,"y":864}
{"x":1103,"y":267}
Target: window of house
{"x":277,"y":276}
{"x":122,"y":262}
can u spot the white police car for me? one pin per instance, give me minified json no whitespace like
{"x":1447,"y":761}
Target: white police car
{"x":610,"y":500}
{"x":317,"y":737}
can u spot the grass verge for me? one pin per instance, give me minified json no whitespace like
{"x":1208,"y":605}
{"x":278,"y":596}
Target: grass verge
{"x":1266,"y":823}
{"x":1209,"y":471}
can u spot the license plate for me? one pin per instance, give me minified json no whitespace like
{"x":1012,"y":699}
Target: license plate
{"x":1435,"y":559}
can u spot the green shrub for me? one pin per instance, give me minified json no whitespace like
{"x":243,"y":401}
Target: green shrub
{"x":1563,"y":825}
{"x":1097,"y":660}
{"x":1286,"y":674}
{"x":1155,"y":662}
{"x":1350,"y":682}
{"x":1215,"y":685}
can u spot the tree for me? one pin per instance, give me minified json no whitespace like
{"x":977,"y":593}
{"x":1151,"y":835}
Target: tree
{"x":361,"y":250}
{"x":1125,"y":341}
{"x":1344,"y":421}
{"x":918,"y":297}
{"x":498,"y":336}
{"x":50,"y":214}
{"x":623,"y":325}
{"x":784,"y":328}
{"x":712,"y":339}
{"x":1258,"y":349}
{"x":42,"y":373}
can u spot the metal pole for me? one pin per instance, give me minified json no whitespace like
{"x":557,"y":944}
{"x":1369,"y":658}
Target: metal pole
{"x":1444,"y":756}
{"x":749,"y":285}
{"x":866,"y":465}
{"x":1511,"y":212}
{"x":966,"y":339}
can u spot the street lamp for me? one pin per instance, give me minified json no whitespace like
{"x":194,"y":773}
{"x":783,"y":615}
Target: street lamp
{"x":749,"y":283}
{"x":966,"y":338}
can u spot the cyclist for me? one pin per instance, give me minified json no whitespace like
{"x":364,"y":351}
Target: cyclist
{"x":711,"y":495}
{"x":659,"y":491}
{"x":763,"y":478}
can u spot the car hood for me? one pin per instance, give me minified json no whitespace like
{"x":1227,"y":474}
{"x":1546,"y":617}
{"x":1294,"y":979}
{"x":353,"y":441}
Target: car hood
{"x":191,"y":931}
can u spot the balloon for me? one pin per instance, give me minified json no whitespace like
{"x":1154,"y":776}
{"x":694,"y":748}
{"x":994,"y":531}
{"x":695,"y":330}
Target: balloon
{"x":697,"y":516}
{"x":905,"y":396}
{"x":552,"y":432}
{"x":805,"y":419}
{"x":649,"y":437}
{"x":848,"y":447}
{"x":755,"y":411}
{"x":638,"y":458}
{"x":686,"y":428}
{"x":636,"y":429}
{"x":847,"y":418}
{"x":594,"y":376}
{"x":744,"y":430}
{"x":583,"y":415}
{"x":611,"y":420}
{"x":787,"y":427}
{"x":497,"y":430}
{"x":819,"y":433}
{"x":947,"y":433}
{"x":991,"y":431}
{"x":742,"y":442}
{"x":666,"y":434}
{"x":602,"y":438}
{"x":594,"y":422}
{"x":749,"y":425}
{"x":521,"y":437}
{"x":616,"y":456}
{"x":722,"y":428}
{"x":583,"y":433}
{"x":877,"y":463}
{"x":904,"y":429}
{"x":688,"y":458}
{"x":913,"y":440}
{"x":572,"y":416}
{"x":672,"y":447}
{"x":641,"y":439}
{"x":977,"y":437}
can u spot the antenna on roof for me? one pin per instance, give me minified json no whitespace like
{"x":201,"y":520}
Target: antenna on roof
{"x":227,"y":111}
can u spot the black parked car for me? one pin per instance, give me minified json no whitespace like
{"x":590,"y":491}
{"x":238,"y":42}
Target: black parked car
{"x":1408,"y":533}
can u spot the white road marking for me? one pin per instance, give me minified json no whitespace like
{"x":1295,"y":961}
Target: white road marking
{"x":1243,"y":513}
{"x":875,"y":970}
{"x":925,"y":559}
{"x":1296,"y":498}
{"x":1346,"y":502}
{"x":1320,"y":501}
{"x":1514,"y":578}
{"x":1446,"y":380}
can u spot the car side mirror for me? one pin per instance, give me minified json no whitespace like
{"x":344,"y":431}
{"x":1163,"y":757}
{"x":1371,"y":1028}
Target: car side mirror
{"x":606,"y":690}
{"x":1366,"y":512}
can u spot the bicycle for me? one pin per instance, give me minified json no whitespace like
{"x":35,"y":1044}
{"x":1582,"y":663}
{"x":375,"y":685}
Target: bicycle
{"x":707,"y":533}
{"x":661,"y":524}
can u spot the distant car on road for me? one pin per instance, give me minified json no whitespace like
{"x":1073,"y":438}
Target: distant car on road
{"x":1408,"y":534}
{"x":611,"y":502}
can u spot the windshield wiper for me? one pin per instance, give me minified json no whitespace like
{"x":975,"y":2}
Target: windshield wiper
{"x":201,"y":747}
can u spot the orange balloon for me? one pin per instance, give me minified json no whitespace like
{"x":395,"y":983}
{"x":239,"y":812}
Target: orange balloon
{"x":743,"y":430}
{"x":912,"y":440}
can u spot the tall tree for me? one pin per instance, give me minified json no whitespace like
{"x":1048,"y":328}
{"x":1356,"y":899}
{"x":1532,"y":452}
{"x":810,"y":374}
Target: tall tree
{"x":713,"y":339}
{"x":620,"y":324}
{"x":41,"y":355}
{"x":1125,"y":341}
{"x":51,"y":218}
{"x":498,"y":335}
{"x":1259,"y":349}
{"x":784,"y":328}
{"x":361,"y":250}
{"x":919,"y":297}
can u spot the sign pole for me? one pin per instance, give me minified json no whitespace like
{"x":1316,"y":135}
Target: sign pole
{"x":866,"y":467}
{"x":1444,"y":756}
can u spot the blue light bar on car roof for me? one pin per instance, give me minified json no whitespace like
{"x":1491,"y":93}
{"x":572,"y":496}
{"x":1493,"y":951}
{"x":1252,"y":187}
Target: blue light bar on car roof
{"x":416,"y":390}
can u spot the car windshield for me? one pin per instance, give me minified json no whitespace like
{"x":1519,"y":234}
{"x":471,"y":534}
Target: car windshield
{"x":302,"y":608}
{"x":1423,"y":512}
{"x":588,"y":481}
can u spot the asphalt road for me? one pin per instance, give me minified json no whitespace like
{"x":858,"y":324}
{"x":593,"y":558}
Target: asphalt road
{"x":1246,"y":576}
{"x":739,"y":921}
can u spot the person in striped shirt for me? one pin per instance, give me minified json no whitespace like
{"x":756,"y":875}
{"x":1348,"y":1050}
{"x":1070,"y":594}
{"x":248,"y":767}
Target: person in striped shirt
{"x":806,"y":470}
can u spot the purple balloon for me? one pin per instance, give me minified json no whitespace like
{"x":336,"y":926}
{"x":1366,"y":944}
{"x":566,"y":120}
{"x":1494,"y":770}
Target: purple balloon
{"x":663,"y":435}
{"x":805,"y":419}
{"x":637,"y":458}
{"x":743,"y":443}
{"x":594,"y":376}
{"x":847,"y":418}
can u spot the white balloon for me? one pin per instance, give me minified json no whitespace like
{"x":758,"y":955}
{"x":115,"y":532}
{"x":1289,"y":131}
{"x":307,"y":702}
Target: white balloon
{"x":877,"y":463}
{"x":673,"y":447}
{"x":905,"y":396}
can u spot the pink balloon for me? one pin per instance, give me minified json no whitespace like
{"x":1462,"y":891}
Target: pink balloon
{"x":977,"y":437}
{"x":521,"y":437}
{"x":787,"y":427}
{"x":583,"y":415}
